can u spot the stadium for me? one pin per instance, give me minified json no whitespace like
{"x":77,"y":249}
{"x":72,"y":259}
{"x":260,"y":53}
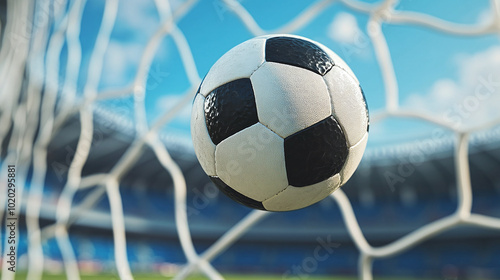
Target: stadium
{"x":109,"y":186}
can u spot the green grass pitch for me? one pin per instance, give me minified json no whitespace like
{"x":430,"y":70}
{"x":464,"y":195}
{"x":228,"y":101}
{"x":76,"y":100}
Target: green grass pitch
{"x":22,"y":276}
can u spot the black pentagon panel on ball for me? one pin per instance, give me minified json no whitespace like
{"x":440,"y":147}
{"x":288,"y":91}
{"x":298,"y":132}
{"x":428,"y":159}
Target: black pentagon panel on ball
{"x":366,"y":108}
{"x":316,"y":153}
{"x":230,"y":108}
{"x":298,"y":52}
{"x":236,"y":196}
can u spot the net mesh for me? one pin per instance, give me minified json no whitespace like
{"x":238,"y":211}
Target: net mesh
{"x":34,"y":108}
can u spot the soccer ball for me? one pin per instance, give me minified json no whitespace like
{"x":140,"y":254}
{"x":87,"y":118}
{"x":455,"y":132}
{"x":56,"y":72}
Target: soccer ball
{"x":279,"y":123}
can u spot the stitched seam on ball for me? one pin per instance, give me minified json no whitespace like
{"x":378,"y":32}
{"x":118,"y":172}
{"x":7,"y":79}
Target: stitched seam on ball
{"x":359,"y":141}
{"x":329,"y":96}
{"x":272,"y":131}
{"x":329,"y":90}
{"x":256,"y":101}
{"x":276,"y":194}
{"x":344,"y":131}
{"x":236,"y":78}
{"x":258,"y":67}
{"x":364,"y":99}
{"x":347,"y":159}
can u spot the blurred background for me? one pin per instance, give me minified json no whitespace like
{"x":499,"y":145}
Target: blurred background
{"x":406,"y":180}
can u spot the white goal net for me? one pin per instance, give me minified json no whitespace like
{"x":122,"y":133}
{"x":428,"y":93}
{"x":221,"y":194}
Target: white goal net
{"x":50,"y":76}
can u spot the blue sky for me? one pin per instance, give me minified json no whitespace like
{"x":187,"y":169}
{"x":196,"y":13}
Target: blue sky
{"x":436,"y":72}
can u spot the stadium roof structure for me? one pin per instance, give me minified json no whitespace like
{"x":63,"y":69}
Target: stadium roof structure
{"x":426,"y":164}
{"x":408,"y":176}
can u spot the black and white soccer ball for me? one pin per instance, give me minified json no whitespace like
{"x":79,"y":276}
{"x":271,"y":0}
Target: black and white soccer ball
{"x":279,"y":123}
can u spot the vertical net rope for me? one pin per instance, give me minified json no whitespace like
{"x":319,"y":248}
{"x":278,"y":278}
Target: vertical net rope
{"x":30,"y":117}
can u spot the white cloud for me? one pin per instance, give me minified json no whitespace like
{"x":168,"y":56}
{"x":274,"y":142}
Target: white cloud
{"x":472,"y":99}
{"x":139,"y":19}
{"x":344,"y":28}
{"x":136,"y":23}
